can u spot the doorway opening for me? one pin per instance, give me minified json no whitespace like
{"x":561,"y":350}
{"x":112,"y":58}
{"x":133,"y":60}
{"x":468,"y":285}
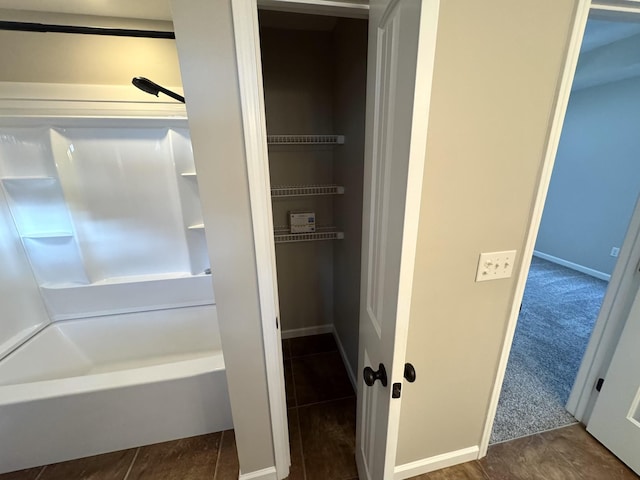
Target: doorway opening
{"x":591,"y":199}
{"x":314,"y":79}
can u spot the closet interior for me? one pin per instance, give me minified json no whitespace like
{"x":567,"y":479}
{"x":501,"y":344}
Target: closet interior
{"x":314,"y":71}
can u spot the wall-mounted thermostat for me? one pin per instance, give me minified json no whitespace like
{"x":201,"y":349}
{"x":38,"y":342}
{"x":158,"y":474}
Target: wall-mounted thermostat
{"x":302,"y":222}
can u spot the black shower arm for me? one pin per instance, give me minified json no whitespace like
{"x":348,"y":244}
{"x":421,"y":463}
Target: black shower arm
{"x":148,"y":86}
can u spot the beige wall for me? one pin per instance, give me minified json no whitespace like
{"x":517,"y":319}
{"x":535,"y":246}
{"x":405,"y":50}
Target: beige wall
{"x":86,"y":59}
{"x":497,"y":70}
{"x":206,"y":44}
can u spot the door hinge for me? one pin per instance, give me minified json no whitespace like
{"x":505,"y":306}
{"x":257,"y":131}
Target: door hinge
{"x":277,"y":325}
{"x":599,"y":384}
{"x":395,"y":391}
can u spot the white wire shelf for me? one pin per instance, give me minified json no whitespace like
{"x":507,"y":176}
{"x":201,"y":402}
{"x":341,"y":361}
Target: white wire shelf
{"x":305,"y":190}
{"x":282,"y":234}
{"x":305,"y":139}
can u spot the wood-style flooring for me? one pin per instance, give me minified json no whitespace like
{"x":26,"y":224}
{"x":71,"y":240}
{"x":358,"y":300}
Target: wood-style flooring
{"x":322,"y":412}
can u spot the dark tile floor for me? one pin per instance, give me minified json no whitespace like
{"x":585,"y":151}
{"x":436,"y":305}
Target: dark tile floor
{"x":322,"y":410}
{"x":322,"y":414}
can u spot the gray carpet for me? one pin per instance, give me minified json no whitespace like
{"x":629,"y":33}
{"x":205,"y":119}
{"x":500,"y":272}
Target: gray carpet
{"x":559,"y":309}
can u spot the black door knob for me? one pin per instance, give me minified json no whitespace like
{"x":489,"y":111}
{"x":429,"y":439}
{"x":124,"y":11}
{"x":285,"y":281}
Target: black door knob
{"x":409,"y":373}
{"x":370,"y":375}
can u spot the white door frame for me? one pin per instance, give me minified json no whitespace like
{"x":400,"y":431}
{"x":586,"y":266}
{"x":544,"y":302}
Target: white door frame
{"x":247,"y":40}
{"x":603,"y":339}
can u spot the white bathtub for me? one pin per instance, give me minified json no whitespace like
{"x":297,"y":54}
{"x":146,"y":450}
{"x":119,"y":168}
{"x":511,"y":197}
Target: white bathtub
{"x":90,"y":386}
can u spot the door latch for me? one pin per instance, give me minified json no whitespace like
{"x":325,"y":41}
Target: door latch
{"x":395,"y":390}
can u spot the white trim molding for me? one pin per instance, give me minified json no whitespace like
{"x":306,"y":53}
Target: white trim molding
{"x":430,"y":464}
{"x":307,"y":331}
{"x":573,"y":266}
{"x":264,"y":474}
{"x":553,"y":140}
{"x":247,"y":39}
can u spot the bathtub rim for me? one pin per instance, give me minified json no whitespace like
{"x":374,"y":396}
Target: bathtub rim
{"x":95,"y":382}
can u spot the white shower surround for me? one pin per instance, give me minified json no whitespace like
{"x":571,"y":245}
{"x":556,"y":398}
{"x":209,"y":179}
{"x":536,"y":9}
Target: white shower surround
{"x":107,"y":211}
{"x":107,"y":347}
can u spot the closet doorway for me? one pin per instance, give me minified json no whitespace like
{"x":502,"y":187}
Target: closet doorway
{"x":314,"y":77}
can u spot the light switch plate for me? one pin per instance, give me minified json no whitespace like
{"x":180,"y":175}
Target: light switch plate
{"x":495,"y":265}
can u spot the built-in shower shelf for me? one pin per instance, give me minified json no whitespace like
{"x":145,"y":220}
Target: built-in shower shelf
{"x":305,"y":139}
{"x":305,"y":190}
{"x":46,"y":235}
{"x":189,"y":175}
{"x":197,"y":226}
{"x":283,"y":235}
{"x":38,"y":178}
{"x":127,"y":294}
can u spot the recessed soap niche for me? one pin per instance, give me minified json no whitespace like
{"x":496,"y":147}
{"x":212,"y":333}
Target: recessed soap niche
{"x":109,"y":215}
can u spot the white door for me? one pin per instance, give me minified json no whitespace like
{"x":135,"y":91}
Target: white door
{"x":400,"y":67}
{"x":615,"y":420}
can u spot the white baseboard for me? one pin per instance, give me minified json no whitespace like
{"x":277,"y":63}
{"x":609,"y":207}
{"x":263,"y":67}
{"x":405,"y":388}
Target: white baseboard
{"x":264,"y":474}
{"x":306,"y":331}
{"x":345,"y":360}
{"x":573,"y":266}
{"x":430,"y":464}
